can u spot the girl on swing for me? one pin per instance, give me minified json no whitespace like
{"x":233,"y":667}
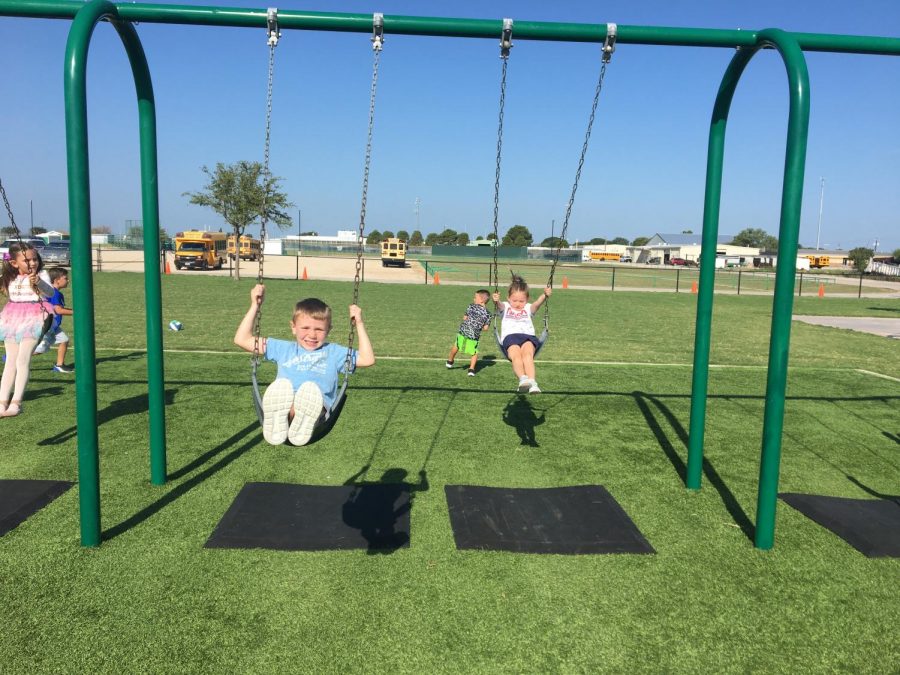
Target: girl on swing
{"x":309,"y":367}
{"x":22,"y":320}
{"x":517,"y":331}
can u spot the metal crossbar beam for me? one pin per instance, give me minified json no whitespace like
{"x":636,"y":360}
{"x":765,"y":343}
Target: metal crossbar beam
{"x":452,"y":27}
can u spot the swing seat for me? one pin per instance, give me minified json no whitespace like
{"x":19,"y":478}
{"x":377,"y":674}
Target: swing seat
{"x":323,"y":425}
{"x":541,"y":341}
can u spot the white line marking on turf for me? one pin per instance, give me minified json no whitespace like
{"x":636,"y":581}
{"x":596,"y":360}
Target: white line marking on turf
{"x":881,"y":375}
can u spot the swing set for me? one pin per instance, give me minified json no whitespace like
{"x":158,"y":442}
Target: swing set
{"x":85,"y":17}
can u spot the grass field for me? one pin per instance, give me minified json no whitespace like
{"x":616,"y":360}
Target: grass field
{"x":616,"y":377}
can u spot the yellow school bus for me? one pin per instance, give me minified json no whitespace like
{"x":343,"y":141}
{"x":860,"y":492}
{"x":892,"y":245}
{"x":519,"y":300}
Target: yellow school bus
{"x":200,"y":250}
{"x":605,"y":257}
{"x":393,"y":252}
{"x":819,"y":261}
{"x":249,"y":249}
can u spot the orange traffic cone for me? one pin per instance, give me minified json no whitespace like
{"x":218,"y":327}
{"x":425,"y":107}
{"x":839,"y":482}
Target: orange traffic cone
{"x":305,"y":276}
{"x":168,"y":268}
{"x":565,"y":282}
{"x":694,"y":287}
{"x":821,"y":290}
{"x":437,"y":279}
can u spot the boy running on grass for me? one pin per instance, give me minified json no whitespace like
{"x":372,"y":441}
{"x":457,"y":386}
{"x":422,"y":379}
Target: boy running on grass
{"x":476,"y":319}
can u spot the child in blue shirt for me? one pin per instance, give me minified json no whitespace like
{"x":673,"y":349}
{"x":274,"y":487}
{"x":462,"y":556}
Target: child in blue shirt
{"x":59,"y":279}
{"x":309,"y":367}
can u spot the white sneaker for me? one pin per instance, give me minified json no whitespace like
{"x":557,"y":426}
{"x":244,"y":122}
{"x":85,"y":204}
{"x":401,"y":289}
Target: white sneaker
{"x":534,"y":389}
{"x":524,"y":385}
{"x":276,"y":405}
{"x":308,"y":404}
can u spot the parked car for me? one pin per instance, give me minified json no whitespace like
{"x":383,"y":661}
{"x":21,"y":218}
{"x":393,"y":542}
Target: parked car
{"x":625,"y":258}
{"x":654,"y":261}
{"x":57,"y":253}
{"x":36,"y":243}
{"x":680,"y":262}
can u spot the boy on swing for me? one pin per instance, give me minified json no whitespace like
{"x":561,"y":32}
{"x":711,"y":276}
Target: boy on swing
{"x":309,"y":367}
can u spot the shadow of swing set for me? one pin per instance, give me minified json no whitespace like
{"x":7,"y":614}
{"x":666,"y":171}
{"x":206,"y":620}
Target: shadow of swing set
{"x":790,"y":47}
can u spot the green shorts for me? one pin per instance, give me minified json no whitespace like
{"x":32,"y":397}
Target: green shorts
{"x":466,"y":344}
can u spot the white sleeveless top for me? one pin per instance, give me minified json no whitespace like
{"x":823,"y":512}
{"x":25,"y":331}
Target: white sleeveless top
{"x":20,"y":288}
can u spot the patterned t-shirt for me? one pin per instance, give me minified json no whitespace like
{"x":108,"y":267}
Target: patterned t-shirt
{"x":477,"y":317}
{"x":322,"y":366}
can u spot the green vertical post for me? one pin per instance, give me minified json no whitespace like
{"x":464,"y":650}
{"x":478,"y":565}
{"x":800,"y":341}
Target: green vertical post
{"x":792,"y":191}
{"x":788,"y":235}
{"x":80,"y":221}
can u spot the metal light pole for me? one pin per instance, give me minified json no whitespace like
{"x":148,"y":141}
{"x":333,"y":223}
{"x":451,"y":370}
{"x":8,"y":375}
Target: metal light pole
{"x":299,"y":234}
{"x":821,"y":202}
{"x":418,"y":202}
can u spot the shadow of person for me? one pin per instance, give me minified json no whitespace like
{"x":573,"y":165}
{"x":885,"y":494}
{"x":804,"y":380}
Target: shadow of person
{"x":380,"y":509}
{"x":518,"y":413}
{"x":485,"y":362}
{"x":124,"y":406}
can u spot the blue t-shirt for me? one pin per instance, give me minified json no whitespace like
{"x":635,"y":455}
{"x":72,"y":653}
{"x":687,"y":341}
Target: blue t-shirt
{"x":322,"y":366}
{"x":56,"y":299}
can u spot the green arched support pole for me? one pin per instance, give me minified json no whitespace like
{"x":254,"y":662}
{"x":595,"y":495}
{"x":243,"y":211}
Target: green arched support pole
{"x":75,"y":87}
{"x":779,"y":343}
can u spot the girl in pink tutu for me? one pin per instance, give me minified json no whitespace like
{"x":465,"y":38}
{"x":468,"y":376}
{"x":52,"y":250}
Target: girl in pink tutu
{"x":21,"y":320}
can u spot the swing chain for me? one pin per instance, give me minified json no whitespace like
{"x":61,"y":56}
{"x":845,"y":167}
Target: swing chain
{"x":273,"y":35}
{"x":505,"y":46}
{"x":584,"y":148}
{"x":377,"y":43}
{"x":9,"y":212}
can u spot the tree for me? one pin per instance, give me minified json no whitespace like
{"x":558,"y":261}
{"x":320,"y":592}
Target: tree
{"x":620,"y":240}
{"x":517,"y":235}
{"x":554,"y":242}
{"x":896,"y":255}
{"x":242,"y":194}
{"x":35,"y":231}
{"x":311,"y":233}
{"x":687,"y":232}
{"x":431,"y":239}
{"x":462,"y":239}
{"x":403,"y":234}
{"x":860,"y":257}
{"x":416,"y":238}
{"x":640,"y":241}
{"x":597,"y":241}
{"x":374,"y":237}
{"x":387,"y":234}
{"x":101,"y":229}
{"x":491,"y":236}
{"x":8,"y":231}
{"x":755,"y":237}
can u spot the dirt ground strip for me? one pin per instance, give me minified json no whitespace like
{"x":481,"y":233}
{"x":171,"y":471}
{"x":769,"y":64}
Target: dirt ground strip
{"x":875,"y":325}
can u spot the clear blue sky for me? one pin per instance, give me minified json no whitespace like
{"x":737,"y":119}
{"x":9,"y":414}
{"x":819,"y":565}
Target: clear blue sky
{"x":436,"y":122}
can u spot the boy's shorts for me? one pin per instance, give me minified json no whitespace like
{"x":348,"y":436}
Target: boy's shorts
{"x":466,"y":344}
{"x":51,"y":337}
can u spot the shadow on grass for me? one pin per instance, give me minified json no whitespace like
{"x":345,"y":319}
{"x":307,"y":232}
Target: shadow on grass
{"x":185,"y":487}
{"x":728,"y":499}
{"x":126,"y":356}
{"x":874,"y":493}
{"x":519,"y":414}
{"x":125,"y":406}
{"x":372,"y":507}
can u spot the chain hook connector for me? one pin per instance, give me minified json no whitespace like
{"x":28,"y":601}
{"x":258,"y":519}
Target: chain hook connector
{"x":272,"y":26}
{"x":609,"y":46}
{"x":506,"y":39}
{"x":377,"y":31}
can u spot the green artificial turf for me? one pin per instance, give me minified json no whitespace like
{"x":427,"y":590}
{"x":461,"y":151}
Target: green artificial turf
{"x":152,"y":599}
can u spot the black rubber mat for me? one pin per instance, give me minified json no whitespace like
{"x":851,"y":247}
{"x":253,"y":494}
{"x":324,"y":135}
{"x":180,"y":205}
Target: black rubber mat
{"x":871,"y":526}
{"x":571,"y":520}
{"x":286,"y":517}
{"x":19,"y":499}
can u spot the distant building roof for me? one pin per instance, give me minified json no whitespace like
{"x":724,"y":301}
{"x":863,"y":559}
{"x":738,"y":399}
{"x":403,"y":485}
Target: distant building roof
{"x":686,"y":239}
